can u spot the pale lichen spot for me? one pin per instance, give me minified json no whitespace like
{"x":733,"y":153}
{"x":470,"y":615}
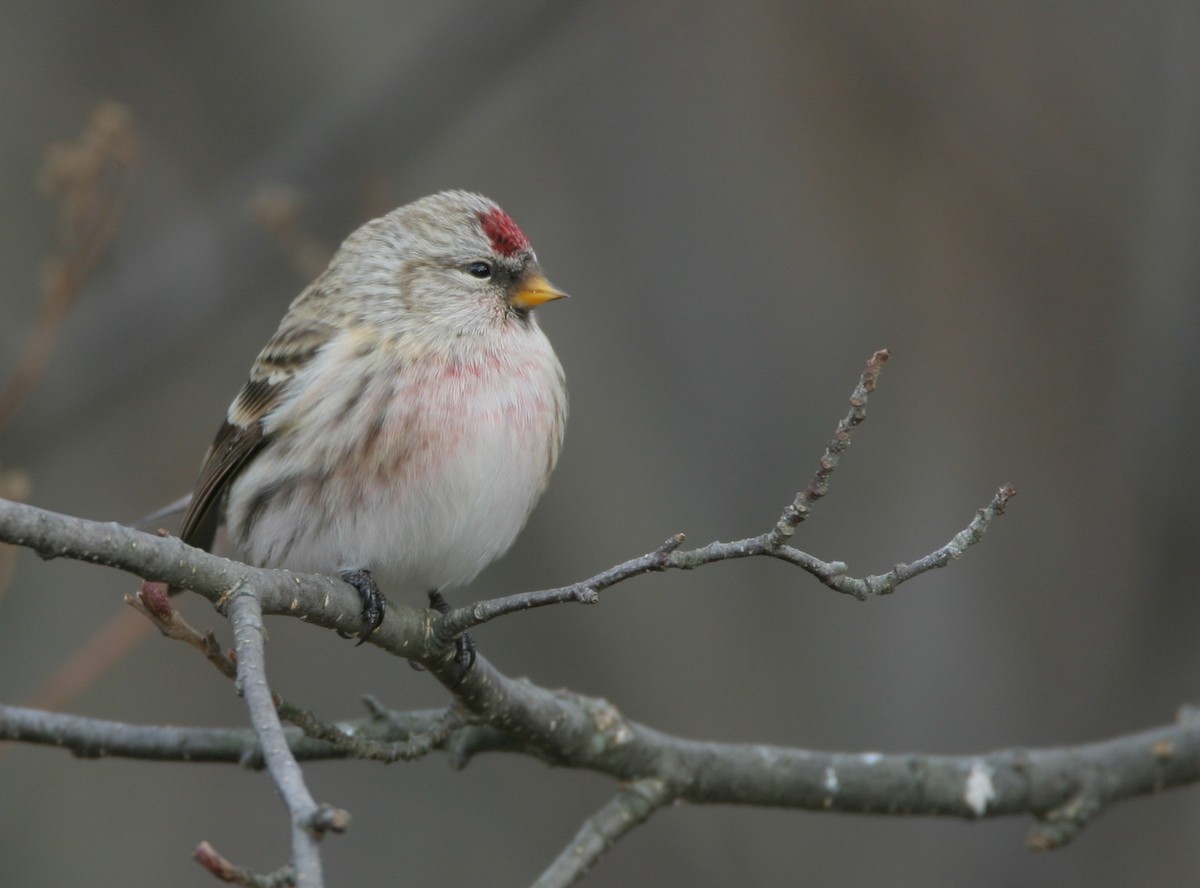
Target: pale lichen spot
{"x":830,"y":783}
{"x":979,"y":789}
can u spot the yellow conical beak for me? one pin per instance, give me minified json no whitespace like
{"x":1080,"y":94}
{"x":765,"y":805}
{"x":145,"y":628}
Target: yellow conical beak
{"x":533,"y":290}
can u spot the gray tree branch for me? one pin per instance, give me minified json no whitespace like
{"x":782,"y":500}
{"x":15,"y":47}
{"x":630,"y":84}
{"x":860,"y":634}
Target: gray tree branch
{"x":1064,"y":788}
{"x":308,"y":819}
{"x":628,"y":808}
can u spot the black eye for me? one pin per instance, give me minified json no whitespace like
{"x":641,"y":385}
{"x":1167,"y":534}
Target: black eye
{"x":480,"y":270}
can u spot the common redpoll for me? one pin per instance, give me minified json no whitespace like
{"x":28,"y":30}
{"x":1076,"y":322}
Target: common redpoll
{"x":404,"y":419}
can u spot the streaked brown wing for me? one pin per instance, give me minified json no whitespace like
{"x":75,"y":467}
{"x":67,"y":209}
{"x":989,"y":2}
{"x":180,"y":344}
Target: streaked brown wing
{"x":241,"y":435}
{"x":233,"y":447}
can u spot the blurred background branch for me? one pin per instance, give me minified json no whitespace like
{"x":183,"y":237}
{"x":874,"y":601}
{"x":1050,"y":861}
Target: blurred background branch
{"x":88,"y":179}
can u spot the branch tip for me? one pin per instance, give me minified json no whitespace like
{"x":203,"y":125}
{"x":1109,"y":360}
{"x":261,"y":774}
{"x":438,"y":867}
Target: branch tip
{"x":208,"y":857}
{"x":329,"y":819}
{"x":801,"y":507}
{"x":374,"y":707}
{"x":662,"y":553}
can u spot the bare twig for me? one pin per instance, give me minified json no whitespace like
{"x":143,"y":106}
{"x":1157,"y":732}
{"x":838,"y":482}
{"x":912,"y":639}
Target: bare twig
{"x":154,"y":602}
{"x":628,"y":808}
{"x":309,"y":820}
{"x":99,"y":738}
{"x":206,"y":855}
{"x":831,"y":573}
{"x":668,"y":555}
{"x":801,"y":506}
{"x":347,"y":740}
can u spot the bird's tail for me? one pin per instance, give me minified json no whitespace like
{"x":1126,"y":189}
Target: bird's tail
{"x":168,"y":513}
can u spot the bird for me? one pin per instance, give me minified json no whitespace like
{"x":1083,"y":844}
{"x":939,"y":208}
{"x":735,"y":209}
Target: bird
{"x":403,"y":421}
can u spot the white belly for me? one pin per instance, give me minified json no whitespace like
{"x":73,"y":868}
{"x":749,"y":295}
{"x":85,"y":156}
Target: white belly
{"x":423,"y":478}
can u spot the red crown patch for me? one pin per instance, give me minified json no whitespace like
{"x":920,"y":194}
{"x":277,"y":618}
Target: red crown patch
{"x":507,"y":239}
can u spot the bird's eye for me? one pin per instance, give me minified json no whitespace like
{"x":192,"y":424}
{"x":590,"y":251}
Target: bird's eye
{"x":481,"y":270}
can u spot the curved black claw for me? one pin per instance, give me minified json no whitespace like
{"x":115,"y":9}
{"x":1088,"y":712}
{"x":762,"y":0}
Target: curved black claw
{"x":373,"y":603}
{"x":464,"y":654}
{"x":464,"y":645}
{"x":438,"y":602}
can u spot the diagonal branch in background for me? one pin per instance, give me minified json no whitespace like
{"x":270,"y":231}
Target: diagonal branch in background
{"x":89,"y":178}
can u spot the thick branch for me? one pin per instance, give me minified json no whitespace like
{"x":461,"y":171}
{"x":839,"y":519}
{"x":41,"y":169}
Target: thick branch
{"x":1063,"y":786}
{"x":320,"y":600}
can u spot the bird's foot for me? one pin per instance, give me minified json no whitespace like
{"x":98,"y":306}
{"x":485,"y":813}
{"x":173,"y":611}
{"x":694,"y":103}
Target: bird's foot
{"x":373,"y":603}
{"x":464,"y":654}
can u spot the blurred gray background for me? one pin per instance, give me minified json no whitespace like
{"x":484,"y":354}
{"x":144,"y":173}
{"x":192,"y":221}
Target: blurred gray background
{"x":744,"y":203}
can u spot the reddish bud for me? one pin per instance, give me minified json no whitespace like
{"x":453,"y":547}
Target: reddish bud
{"x":156,"y":600}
